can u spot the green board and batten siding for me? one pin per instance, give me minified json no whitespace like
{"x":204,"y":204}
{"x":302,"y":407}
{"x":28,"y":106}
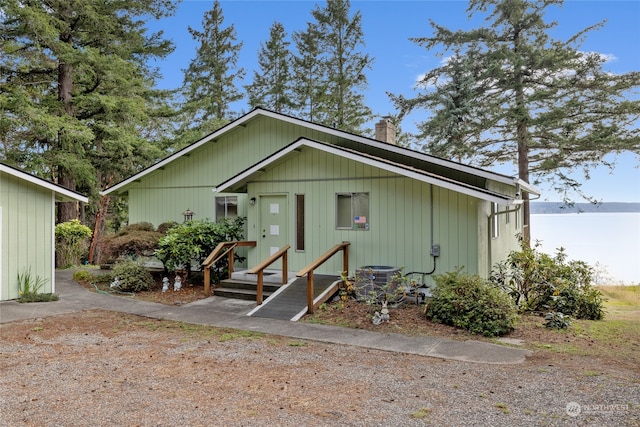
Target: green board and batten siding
{"x":27,"y":230}
{"x":406,"y":215}
{"x":187,"y":182}
{"x":400,"y":215}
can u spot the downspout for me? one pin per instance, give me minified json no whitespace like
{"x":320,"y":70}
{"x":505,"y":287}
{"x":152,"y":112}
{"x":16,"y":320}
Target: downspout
{"x":490,"y":238}
{"x":424,"y":273}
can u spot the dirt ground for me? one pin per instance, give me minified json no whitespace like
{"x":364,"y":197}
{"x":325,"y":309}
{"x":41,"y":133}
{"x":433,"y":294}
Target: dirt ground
{"x":104,"y":368}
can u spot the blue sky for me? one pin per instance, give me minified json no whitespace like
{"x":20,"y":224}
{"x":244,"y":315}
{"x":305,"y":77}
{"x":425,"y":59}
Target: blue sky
{"x":388,"y":26}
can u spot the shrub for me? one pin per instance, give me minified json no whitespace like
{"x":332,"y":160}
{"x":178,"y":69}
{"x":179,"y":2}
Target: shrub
{"x":132,"y":277}
{"x":557,"y":320}
{"x":72,"y":242}
{"x":469,"y":302}
{"x":133,"y":241}
{"x":190,"y":243}
{"x":541,"y":283}
{"x":82,"y":276}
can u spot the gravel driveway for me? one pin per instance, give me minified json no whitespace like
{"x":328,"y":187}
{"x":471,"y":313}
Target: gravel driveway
{"x":99,"y":368}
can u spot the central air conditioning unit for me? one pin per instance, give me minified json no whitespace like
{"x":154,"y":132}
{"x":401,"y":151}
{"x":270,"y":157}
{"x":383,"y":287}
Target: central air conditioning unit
{"x":373,"y":278}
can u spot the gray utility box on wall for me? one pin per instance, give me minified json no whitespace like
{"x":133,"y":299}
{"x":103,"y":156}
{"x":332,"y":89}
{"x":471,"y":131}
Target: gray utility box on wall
{"x":370,"y":278}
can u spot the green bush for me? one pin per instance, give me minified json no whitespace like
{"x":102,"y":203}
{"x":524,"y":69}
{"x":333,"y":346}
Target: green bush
{"x":541,"y":283}
{"x":190,"y":243}
{"x":470,"y":302}
{"x":132,"y":277}
{"x":72,"y":243}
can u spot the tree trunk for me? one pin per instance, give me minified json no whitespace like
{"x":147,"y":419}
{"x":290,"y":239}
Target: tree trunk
{"x":98,"y":230}
{"x":522,"y":138}
{"x":66,"y":210}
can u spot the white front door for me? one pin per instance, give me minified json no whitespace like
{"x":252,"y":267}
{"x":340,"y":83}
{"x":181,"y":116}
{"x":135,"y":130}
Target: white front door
{"x":273,"y":226}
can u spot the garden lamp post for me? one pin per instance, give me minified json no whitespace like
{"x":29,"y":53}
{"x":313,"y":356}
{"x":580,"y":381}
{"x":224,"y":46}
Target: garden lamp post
{"x":188,"y":215}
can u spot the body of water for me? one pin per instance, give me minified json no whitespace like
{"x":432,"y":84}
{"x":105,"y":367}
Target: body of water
{"x":608,"y":241}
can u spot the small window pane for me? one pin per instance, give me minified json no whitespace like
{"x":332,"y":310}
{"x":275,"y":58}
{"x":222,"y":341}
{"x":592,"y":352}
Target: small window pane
{"x":300,"y":222}
{"x":226,"y":207}
{"x":344,"y":211}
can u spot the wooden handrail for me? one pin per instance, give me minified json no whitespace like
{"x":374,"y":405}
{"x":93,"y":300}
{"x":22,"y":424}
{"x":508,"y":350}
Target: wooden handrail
{"x":259,"y":270}
{"x":215,"y":255}
{"x":308,"y":270}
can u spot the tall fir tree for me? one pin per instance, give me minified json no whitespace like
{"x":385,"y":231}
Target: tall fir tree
{"x":76,"y":90}
{"x":341,"y":41}
{"x":539,"y":103}
{"x":211,"y":81}
{"x":272,"y":83}
{"x":309,"y":74}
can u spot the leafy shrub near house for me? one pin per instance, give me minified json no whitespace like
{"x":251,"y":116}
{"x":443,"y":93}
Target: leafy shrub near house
{"x":132,"y":241}
{"x":132,"y":277}
{"x":470,"y":302}
{"x":190,"y":243}
{"x":72,"y":243}
{"x":541,"y":283}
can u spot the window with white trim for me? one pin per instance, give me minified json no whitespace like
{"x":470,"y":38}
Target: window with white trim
{"x":226,"y":207}
{"x":352,"y":211}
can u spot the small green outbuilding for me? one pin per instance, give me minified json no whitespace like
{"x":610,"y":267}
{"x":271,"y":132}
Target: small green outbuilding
{"x":27,"y":228}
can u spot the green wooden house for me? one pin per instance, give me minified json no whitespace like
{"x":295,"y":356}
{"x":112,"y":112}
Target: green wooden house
{"x":27,"y":230}
{"x":312,"y":186}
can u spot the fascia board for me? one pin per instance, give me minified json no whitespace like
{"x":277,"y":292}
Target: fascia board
{"x":527,"y":187}
{"x":66,"y":193}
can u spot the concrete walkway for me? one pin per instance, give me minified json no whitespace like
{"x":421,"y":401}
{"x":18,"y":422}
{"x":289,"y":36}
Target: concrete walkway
{"x":230,"y":313}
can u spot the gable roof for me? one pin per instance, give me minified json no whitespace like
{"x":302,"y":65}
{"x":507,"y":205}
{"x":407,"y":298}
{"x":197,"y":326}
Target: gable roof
{"x":401,"y":169}
{"x":353,"y":141}
{"x":62,"y":194}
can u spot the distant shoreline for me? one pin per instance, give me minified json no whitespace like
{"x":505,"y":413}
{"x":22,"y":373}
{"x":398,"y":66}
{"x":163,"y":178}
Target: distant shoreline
{"x":561,"y":208}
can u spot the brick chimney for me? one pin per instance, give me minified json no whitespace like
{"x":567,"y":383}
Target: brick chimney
{"x":386,"y":131}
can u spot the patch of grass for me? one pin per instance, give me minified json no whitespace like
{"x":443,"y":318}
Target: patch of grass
{"x":622,"y":302}
{"x":503,"y":407}
{"x":297,"y":344}
{"x":33,"y":297}
{"x":200,"y":331}
{"x":421,"y":413}
{"x":234,"y":335}
{"x":345,"y":323}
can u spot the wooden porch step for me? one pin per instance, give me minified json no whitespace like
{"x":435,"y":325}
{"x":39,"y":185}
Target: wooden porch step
{"x":244,"y":294}
{"x":240,"y":289}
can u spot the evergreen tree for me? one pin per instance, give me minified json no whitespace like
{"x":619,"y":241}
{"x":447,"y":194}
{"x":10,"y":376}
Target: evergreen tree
{"x":76,"y":90}
{"x":271,"y":86}
{"x":534,"y":101}
{"x":340,"y":42}
{"x":210,"y":81}
{"x":309,"y":74}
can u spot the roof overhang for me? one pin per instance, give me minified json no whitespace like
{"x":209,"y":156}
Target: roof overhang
{"x":247,"y":175}
{"x":62,"y":194}
{"x":260,"y":112}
